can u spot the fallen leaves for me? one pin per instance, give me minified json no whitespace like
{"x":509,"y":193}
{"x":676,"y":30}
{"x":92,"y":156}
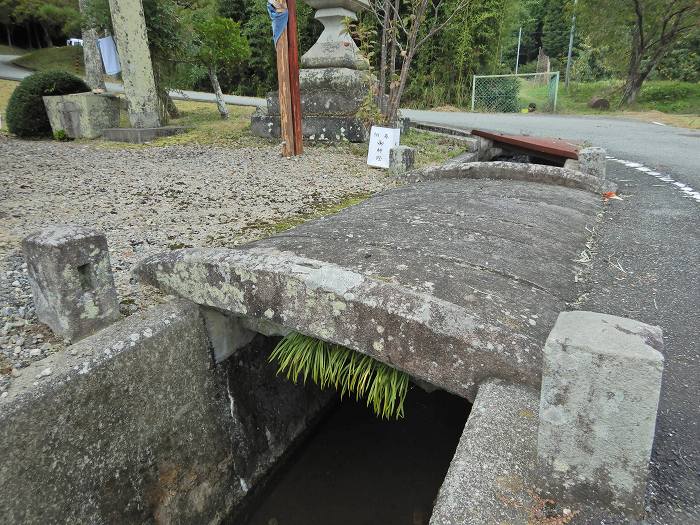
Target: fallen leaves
{"x":611,"y":195}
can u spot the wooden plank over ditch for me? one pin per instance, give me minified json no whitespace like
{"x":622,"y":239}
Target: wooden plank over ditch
{"x":549,"y":147}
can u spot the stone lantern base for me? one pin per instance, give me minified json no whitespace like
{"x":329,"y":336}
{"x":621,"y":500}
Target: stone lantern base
{"x":330,"y":101}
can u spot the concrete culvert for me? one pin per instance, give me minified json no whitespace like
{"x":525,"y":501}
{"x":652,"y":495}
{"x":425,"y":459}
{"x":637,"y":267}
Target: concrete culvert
{"x":175,"y":414}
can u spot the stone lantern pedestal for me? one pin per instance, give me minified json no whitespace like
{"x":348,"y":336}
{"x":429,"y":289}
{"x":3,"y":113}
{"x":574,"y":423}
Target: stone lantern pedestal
{"x":334,"y":81}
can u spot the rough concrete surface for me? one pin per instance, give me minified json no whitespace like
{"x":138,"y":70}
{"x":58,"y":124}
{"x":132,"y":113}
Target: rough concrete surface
{"x":449,"y":292}
{"x":71,"y":279}
{"x":318,"y":128}
{"x":640,"y":271}
{"x":136,"y":425}
{"x":493,"y":473}
{"x":510,"y":171}
{"x":328,"y":91}
{"x":601,"y":380}
{"x":83,"y":115}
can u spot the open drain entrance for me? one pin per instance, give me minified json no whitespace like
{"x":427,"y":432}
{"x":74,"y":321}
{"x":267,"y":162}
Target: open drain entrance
{"x":357,"y":469}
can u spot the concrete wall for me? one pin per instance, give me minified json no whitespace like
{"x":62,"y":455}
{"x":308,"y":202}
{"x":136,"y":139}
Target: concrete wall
{"x":136,"y":424}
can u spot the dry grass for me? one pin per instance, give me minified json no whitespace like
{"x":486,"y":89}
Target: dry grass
{"x":6,"y":89}
{"x":66,"y":58}
{"x":10,"y":50}
{"x":680,"y":121}
{"x":206,"y":127}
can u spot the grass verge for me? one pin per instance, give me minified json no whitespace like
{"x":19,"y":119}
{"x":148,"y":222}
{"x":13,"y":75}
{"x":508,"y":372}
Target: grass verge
{"x":11,"y":50}
{"x":66,"y":58}
{"x":666,"y":101}
{"x":431,"y":148}
{"x":206,"y":128}
{"x":6,"y":89}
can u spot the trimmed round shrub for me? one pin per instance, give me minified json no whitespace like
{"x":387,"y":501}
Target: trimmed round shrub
{"x":26,"y":114}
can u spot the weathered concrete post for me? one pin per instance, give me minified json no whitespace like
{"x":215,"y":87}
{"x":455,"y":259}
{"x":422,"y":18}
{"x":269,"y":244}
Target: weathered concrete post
{"x":91,"y":55}
{"x":401,"y":160}
{"x":601,"y":381}
{"x":137,"y":71}
{"x":592,"y":161}
{"x":71,"y":280}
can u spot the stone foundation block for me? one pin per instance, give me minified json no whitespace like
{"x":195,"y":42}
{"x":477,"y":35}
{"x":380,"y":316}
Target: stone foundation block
{"x":141,"y":135}
{"x":601,"y":381}
{"x":315,"y":128}
{"x":592,"y":161}
{"x":71,"y":280}
{"x":401,"y":160}
{"x":83,"y":115}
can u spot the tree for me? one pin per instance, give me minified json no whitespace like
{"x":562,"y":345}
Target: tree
{"x":218,"y":43}
{"x":94,"y":72}
{"x":7,"y":18}
{"x":405,"y":29}
{"x":648,"y":28}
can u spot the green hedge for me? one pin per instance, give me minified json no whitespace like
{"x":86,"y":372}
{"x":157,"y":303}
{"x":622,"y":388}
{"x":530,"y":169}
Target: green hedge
{"x":26,"y":114}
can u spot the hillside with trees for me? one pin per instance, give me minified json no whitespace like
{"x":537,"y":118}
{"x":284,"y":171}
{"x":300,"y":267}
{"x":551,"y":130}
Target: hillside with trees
{"x":622,"y":43}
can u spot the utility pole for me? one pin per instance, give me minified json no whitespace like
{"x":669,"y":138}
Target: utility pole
{"x":571,"y":45}
{"x":517,"y":55}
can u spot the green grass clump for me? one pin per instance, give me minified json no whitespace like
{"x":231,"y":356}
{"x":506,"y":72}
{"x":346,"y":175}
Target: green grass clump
{"x":670,"y":96}
{"x":345,"y":370}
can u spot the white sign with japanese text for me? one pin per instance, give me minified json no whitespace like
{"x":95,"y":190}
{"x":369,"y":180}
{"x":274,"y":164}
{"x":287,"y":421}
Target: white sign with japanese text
{"x":381,"y":140}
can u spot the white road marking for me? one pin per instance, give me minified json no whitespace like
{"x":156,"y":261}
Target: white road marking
{"x":686,"y":190}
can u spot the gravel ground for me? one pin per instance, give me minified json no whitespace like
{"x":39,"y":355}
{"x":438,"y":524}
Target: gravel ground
{"x":148,"y":200}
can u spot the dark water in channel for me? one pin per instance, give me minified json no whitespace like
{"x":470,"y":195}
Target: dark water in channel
{"x":359,"y":470}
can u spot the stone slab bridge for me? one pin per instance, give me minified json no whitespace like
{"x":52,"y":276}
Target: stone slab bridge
{"x":466,"y":282}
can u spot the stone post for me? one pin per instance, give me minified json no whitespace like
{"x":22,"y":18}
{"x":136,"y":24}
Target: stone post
{"x":401,"y":160}
{"x":94,"y":73}
{"x":592,"y":161}
{"x":71,"y":280}
{"x":601,"y":381}
{"x":137,"y":71}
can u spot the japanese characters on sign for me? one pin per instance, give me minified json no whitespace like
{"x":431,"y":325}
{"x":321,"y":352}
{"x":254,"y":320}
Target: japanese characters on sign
{"x":381,"y":140}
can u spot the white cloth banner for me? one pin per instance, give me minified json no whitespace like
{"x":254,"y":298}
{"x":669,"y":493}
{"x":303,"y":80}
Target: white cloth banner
{"x":381,"y":140}
{"x":110,"y":57}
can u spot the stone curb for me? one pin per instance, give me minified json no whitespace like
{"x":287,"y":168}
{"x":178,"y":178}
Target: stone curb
{"x":491,"y":476}
{"x":511,"y":171}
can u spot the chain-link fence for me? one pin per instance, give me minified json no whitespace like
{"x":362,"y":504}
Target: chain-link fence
{"x":515,"y":93}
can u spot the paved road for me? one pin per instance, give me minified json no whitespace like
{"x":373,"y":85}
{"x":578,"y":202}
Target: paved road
{"x":665,"y":148}
{"x":9,"y":71}
{"x":646,"y":268}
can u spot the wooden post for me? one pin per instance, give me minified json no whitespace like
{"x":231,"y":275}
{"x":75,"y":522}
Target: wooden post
{"x":286,"y":126}
{"x":294,"y":76}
